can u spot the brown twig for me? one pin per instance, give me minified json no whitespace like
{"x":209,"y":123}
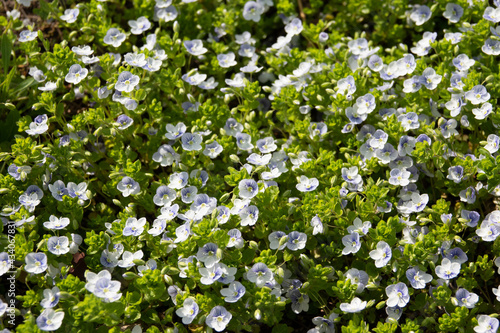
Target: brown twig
{"x":301,"y":11}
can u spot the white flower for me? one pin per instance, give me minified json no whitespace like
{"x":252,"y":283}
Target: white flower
{"x":188,"y":311}
{"x":50,"y":320}
{"x":234,"y":292}
{"x":49,"y":86}
{"x":417,"y":278}
{"x":493,"y":143}
{"x":356,"y":305}
{"x":307,"y":184}
{"x":398,"y":295}
{"x":50,"y":298}
{"x":486,"y":324}
{"x":114,"y":37}
{"x":195,"y":47}
{"x":128,"y":258}
{"x":252,"y":11}
{"x":382,"y":254}
{"x":36,"y":263}
{"x":126,"y":81}
{"x":294,"y":27}
{"x":134,"y":227}
{"x":259,"y":274}
{"x":138,"y":27}
{"x":226,"y":60}
{"x":351,"y":243}
{"x":453,"y":12}
{"x":448,"y":269}
{"x":128,"y":186}
{"x":76,"y":74}
{"x":218,"y":318}
{"x":70,"y":15}
{"x":26,"y":36}
{"x":83,"y":50}
{"x":58,"y":245}
{"x":317,"y":225}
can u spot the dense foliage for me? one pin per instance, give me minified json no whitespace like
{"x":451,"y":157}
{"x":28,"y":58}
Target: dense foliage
{"x":271,"y":165}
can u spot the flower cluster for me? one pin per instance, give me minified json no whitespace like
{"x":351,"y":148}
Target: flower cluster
{"x":225,"y":166}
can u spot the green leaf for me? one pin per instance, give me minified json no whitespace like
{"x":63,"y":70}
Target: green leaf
{"x":6,"y":48}
{"x":8,"y":128}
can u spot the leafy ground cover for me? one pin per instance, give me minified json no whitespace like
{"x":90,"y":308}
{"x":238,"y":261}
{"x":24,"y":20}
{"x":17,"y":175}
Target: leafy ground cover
{"x":250,"y":166}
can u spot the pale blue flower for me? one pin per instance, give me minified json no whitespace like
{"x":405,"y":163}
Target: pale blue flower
{"x":70,"y":15}
{"x":107,"y":289}
{"x":164,"y":196}
{"x":252,"y":11}
{"x":31,"y":197}
{"x":456,"y":255}
{"x":486,"y":324}
{"x":218,"y":318}
{"x":58,"y":245}
{"x":248,"y":188}
{"x":453,"y":12}
{"x":50,"y":298}
{"x":189,"y":311}
{"x":351,"y":243}
{"x":259,"y":274}
{"x":317,"y":225}
{"x":208,"y":255}
{"x":36,"y":263}
{"x":249,"y":216}
{"x":39,"y":125}
{"x":77,"y":191}
{"x":191,"y":141}
{"x":300,"y":301}
{"x":140,"y":25}
{"x":134,"y":226}
{"x":465,"y":298}
{"x":307,"y":184}
{"x":50,"y":320}
{"x":165,"y":155}
{"x":128,"y":186}
{"x":356,"y":305}
{"x":213,"y":150}
{"x":477,"y":95}
{"x":234,"y":292}
{"x":27,"y":36}
{"x":455,"y":173}
{"x":158,"y":227}
{"x":126,"y":82}
{"x":124,"y":121}
{"x":420,"y":14}
{"x":175,"y":132}
{"x":182,"y":233}
{"x":468,"y":195}
{"x":471,"y":217}
{"x":397,"y":295}
{"x":223,"y":214}
{"x":448,"y":269}
{"x":296,"y":241}
{"x":382,"y":254}
{"x":200,"y":175}
{"x":76,"y":74}
{"x":195,"y":47}
{"x":235,"y":239}
{"x":417,"y":278}
{"x":114,"y":37}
